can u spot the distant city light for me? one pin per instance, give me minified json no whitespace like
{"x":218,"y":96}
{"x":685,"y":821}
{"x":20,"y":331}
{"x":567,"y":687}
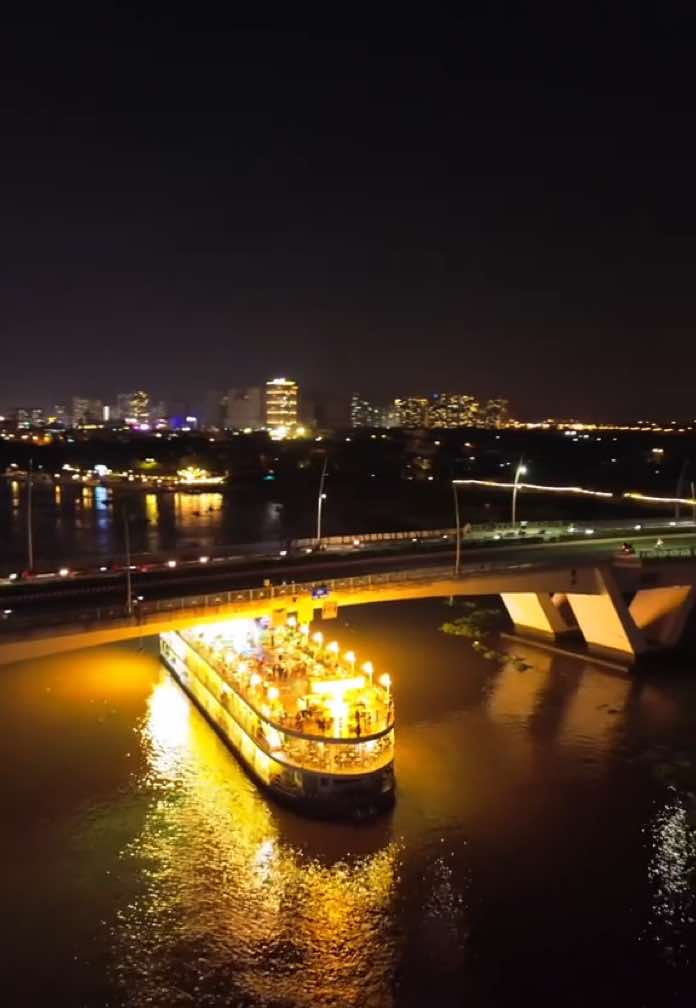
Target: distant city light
{"x":194,"y":475}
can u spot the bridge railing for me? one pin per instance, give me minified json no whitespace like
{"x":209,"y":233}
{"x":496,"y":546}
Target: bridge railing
{"x":666,"y":553}
{"x":486,"y":529}
{"x":222,"y":599}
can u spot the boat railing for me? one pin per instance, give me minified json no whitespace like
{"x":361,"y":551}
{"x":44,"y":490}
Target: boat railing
{"x":383,"y":724}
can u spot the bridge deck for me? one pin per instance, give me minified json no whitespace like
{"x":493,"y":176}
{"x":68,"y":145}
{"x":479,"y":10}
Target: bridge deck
{"x":31,"y":636}
{"x":89,"y":628}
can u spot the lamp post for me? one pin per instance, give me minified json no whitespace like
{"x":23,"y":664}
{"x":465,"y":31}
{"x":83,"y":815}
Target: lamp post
{"x":458,"y":542}
{"x":520,"y":471}
{"x":129,"y":587}
{"x":30,"y":531}
{"x":680,"y":484}
{"x":321,"y":498}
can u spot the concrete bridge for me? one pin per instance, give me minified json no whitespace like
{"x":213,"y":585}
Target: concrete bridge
{"x":620,"y":608}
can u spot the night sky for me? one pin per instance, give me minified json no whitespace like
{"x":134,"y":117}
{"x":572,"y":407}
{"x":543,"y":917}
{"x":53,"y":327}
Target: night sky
{"x":505,"y":203}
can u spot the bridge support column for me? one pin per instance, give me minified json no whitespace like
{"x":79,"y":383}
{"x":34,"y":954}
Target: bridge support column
{"x":536,"y":613}
{"x":605,"y":621}
{"x":662,"y":613}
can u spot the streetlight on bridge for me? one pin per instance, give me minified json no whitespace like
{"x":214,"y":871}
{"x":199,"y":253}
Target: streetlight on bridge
{"x":520,"y":471}
{"x":126,"y":539}
{"x":321,"y":498}
{"x":458,"y":532}
{"x":30,"y":530}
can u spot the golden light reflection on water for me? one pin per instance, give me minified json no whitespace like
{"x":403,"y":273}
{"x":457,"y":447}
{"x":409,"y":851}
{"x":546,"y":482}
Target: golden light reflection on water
{"x":594,"y":714}
{"x":197,"y":508}
{"x":168,"y":728}
{"x":218,"y":873}
{"x":152,"y":507}
{"x":516,"y":694}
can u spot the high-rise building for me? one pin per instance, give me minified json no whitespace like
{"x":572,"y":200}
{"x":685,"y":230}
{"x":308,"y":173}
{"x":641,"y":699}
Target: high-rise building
{"x":29,"y":416}
{"x":158,"y":413}
{"x":390,"y":416}
{"x":412,"y":411}
{"x":448,"y":409}
{"x":243,"y":408}
{"x":58,"y":415}
{"x":495,"y":413}
{"x":281,"y":404}
{"x":364,"y":413}
{"x":86,"y":411}
{"x":133,"y":407}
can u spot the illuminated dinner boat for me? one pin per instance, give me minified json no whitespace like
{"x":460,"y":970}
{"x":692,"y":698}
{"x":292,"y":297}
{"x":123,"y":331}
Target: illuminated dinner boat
{"x":313,"y":727}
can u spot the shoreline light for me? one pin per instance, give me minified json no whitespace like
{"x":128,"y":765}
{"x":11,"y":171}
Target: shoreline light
{"x":660,"y":500}
{"x":533,"y":486}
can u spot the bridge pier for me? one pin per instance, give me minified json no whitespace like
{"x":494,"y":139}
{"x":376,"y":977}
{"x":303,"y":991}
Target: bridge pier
{"x":537,"y":613}
{"x":607,"y":626}
{"x":661,"y":613}
{"x":599,"y":613}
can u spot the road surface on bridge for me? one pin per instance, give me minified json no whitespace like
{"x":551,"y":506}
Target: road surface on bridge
{"x":29,"y":598}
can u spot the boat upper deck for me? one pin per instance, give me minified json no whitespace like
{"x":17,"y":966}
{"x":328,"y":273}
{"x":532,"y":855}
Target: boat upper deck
{"x":296,"y":682}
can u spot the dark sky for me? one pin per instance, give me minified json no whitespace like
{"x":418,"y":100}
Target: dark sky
{"x":503,"y":203}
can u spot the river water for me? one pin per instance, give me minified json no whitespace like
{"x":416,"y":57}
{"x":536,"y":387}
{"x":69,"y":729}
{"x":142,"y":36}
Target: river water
{"x":542,"y":849}
{"x":75,"y":524}
{"x":78,"y":524}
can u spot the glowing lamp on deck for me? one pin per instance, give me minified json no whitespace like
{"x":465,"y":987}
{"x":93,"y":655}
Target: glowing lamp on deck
{"x":255,"y":679}
{"x":368,"y":668}
{"x":332,"y":647}
{"x":304,"y":629}
{"x":292,"y":621}
{"x":273,"y":693}
{"x":317,"y":637}
{"x":338,"y":708}
{"x":385,"y":680}
{"x":337,"y":687}
{"x":349,"y":656}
